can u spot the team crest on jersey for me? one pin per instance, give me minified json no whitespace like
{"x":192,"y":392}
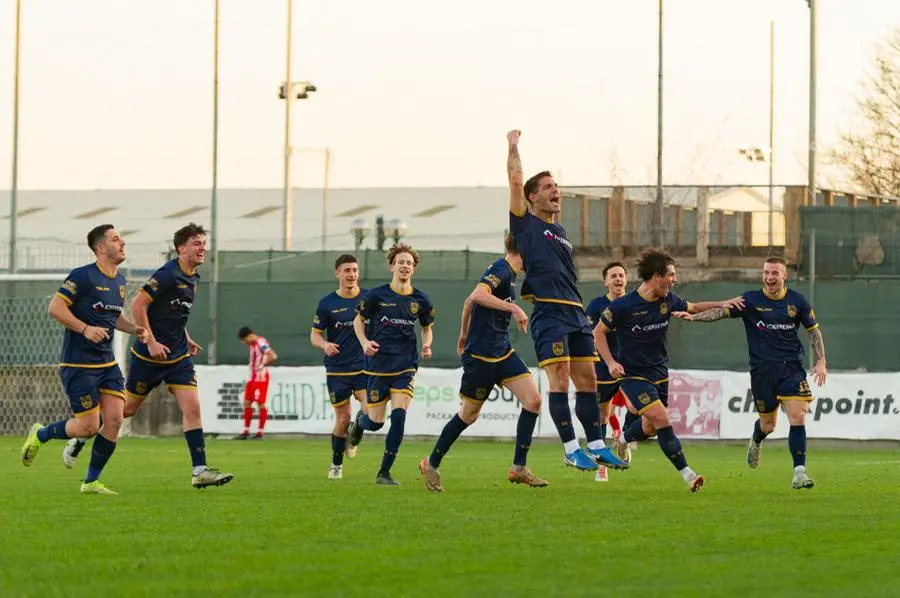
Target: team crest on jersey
{"x":493,"y":280}
{"x":153,"y":284}
{"x":791,"y":311}
{"x":122,"y":291}
{"x":70,"y":286}
{"x":481,"y":393}
{"x":141,"y":388}
{"x":87,"y":401}
{"x":663,"y":308}
{"x":413,"y":307}
{"x":644,"y":398}
{"x":373,"y":396}
{"x":558,"y":349}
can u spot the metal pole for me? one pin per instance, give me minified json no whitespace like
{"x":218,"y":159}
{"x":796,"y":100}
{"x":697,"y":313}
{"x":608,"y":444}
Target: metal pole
{"x":325,"y":197}
{"x":771,"y":134}
{"x":812,"y":278}
{"x":660,"y":210}
{"x":14,"y":190}
{"x":214,"y":203}
{"x":287,"y":207}
{"x":811,"y":186}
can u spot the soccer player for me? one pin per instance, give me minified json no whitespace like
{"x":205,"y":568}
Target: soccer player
{"x":559,"y":327}
{"x":392,"y":358}
{"x":614,"y":278}
{"x":257,"y":389}
{"x":89,"y":305}
{"x":489,"y":360}
{"x":641,"y":321}
{"x":771,"y":319}
{"x":163,"y":307}
{"x":332,"y":332}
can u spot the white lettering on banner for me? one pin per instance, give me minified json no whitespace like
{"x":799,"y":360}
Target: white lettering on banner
{"x":702,"y":404}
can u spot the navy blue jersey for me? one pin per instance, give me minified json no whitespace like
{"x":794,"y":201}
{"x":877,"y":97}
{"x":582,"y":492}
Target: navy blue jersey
{"x":171,"y":291}
{"x":642,"y":329}
{"x":97,"y":299}
{"x":594,"y":309}
{"x":772,"y":324}
{"x":548,"y":260}
{"x":334,"y":318}
{"x":392,"y":324}
{"x":489,"y":328}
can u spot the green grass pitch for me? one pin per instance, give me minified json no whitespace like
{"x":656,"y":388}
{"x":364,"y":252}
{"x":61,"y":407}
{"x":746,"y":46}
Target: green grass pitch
{"x":282,"y":529}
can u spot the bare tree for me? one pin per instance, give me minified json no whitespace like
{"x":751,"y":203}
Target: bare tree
{"x":870,"y":150}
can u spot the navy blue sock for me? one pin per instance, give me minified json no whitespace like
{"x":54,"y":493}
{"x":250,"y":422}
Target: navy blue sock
{"x":524,"y":433}
{"x":588,"y":412}
{"x":338,"y":445}
{"x":448,"y":436}
{"x":561,"y":415}
{"x":671,"y":446}
{"x":101,"y":451}
{"x":797,"y":444}
{"x":393,"y":440}
{"x":367,"y":424}
{"x":758,"y":434}
{"x":196,"y":446}
{"x":602,"y":431}
{"x":54,"y":430}
{"x":634,"y":432}
{"x":629,"y":419}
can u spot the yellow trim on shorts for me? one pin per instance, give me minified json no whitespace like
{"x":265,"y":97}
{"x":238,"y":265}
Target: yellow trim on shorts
{"x":181,"y":386}
{"x":506,"y":380}
{"x":159,"y":361}
{"x":591,"y":359}
{"x":90,"y":411}
{"x":643,"y":410}
{"x":405,"y":391}
{"x":563,"y":359}
{"x":382,"y":401}
{"x":90,"y":366}
{"x":534,"y":299}
{"x":131,"y":395}
{"x":470,"y":399}
{"x":794,"y":398}
{"x":113,"y":393}
{"x":606,"y":382}
{"x":356,"y":373}
{"x":645,"y":379}
{"x":492,"y":359}
{"x":64,"y":298}
{"x":368,"y":373}
{"x":341,"y":404}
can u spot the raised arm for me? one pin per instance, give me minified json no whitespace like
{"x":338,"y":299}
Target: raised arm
{"x":709,"y":315}
{"x":516,"y":175}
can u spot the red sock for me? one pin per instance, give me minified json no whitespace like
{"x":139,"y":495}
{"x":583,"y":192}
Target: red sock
{"x":263,"y":415}
{"x":614,"y":422}
{"x":248,"y":415}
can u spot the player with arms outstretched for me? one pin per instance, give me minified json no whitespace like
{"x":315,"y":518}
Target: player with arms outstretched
{"x":614,"y":278}
{"x":392,"y":356}
{"x":163,"y":307}
{"x":257,"y":388}
{"x":89,"y":305}
{"x":640,"y":320}
{"x":332,"y":332}
{"x":562,"y":335}
{"x":489,"y":360}
{"x":772,"y":317}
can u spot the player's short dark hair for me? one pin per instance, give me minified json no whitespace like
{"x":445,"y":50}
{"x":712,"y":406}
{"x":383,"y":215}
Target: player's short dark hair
{"x":97,"y":234}
{"x":186,"y":232}
{"x":509,"y":243}
{"x":652,"y":261}
{"x":399,"y":248}
{"x":244,"y":332}
{"x":345,"y":258}
{"x":774,"y":259}
{"x":612,"y":265}
{"x":532,"y":184}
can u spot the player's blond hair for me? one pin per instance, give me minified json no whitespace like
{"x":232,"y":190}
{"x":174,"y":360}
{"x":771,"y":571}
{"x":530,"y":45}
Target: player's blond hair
{"x":399,"y":248}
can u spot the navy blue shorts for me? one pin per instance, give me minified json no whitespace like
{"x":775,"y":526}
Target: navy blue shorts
{"x":380,"y":386}
{"x":778,"y":381}
{"x":561,"y":333}
{"x":641,"y":394}
{"x":606,"y":390}
{"x":479,"y":376}
{"x":342,"y":386}
{"x":144,"y":376}
{"x":84,"y":386}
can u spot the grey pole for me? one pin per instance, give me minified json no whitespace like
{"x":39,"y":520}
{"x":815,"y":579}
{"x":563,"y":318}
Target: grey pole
{"x":660,"y":237}
{"x":214,"y":203}
{"x":14,"y":190}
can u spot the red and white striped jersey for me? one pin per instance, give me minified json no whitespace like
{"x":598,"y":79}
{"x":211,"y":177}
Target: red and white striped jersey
{"x":257,"y":349}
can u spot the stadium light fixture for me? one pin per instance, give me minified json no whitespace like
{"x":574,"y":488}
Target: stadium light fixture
{"x":359,"y":228}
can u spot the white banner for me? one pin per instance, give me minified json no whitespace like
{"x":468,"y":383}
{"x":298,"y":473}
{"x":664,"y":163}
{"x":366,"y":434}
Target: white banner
{"x":702,"y":404}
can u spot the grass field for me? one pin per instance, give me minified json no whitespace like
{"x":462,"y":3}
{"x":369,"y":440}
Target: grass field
{"x":282,"y":528}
